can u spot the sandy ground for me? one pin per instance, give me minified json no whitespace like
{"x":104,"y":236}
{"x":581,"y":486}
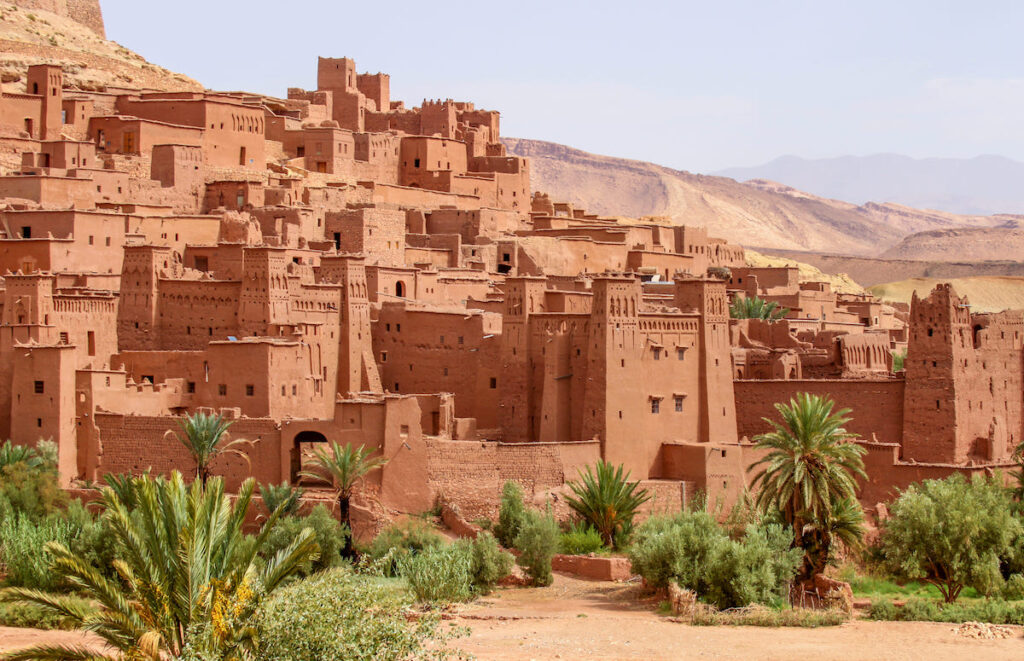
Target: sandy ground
{"x":576,"y":619}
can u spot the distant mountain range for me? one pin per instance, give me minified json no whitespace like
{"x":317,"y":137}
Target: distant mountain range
{"x":974,"y":186}
{"x":758,"y":213}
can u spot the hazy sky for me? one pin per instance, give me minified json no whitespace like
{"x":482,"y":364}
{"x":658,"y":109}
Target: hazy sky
{"x":693,"y":85}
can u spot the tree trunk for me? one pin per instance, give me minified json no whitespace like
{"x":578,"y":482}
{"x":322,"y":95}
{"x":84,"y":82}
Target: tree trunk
{"x":345,"y":516}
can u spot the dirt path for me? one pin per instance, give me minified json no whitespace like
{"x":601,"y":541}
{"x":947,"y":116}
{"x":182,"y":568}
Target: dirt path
{"x":576,"y":619}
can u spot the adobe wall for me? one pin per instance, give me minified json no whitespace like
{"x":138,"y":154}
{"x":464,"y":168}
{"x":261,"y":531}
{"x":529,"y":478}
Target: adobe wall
{"x":877,"y":405}
{"x":471,"y":474}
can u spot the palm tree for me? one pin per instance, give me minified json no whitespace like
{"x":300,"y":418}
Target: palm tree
{"x":810,"y":468}
{"x":13,"y":454}
{"x":281,"y":495}
{"x":187,"y":580}
{"x":345,"y":467}
{"x":606,"y":499}
{"x":205,"y":437}
{"x":844,"y":522}
{"x":756,"y":308}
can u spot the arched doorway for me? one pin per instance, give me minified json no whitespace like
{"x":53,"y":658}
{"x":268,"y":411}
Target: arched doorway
{"x":302,"y":452}
{"x":400,"y":289}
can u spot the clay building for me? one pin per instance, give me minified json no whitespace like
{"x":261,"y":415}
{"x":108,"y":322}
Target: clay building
{"x":337,"y":265}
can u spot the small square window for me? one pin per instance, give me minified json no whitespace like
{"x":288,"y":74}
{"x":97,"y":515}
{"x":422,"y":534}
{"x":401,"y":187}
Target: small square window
{"x":63,"y":338}
{"x":222,"y":389}
{"x":383,"y":356}
{"x":494,"y":383}
{"x":461,"y":340}
{"x":250,"y":390}
{"x":657,"y":354}
{"x":445,"y":371}
{"x":655,"y":406}
{"x":679,"y":404}
{"x":39,"y":388}
{"x":680,"y":353}
{"x":190,"y":387}
{"x":295,"y":389}
{"x":39,"y":422}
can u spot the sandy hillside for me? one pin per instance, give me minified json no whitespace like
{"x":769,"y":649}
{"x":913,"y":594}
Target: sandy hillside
{"x":986,"y":293}
{"x":757,"y":213}
{"x":1005,"y":242}
{"x":89,"y":61}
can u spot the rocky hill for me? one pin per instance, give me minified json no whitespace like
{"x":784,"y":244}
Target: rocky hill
{"x":32,"y":35}
{"x":1005,"y":242}
{"x":755,"y":213}
{"x":986,"y":293}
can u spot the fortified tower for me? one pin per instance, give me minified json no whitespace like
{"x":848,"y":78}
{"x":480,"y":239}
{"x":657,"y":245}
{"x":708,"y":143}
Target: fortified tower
{"x":612,"y":410}
{"x":962,"y":398}
{"x":707,"y":297}
{"x":139,"y":298}
{"x":524,"y":296}
{"x":357,"y":370}
{"x":47,"y":81}
{"x":264,"y":299}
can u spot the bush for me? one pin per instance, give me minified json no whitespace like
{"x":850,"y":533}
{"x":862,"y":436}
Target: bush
{"x":276,"y":495}
{"x":537,"y":541}
{"x":399,"y":541}
{"x":580,"y":539}
{"x":692,"y":549}
{"x":1014,"y":588}
{"x":511,"y":515}
{"x":762,"y":616}
{"x":31,"y":490}
{"x":22,"y":550}
{"x":490,"y":563}
{"x":440,"y":574}
{"x":92,"y":538}
{"x":993,"y":611}
{"x":29,"y":616}
{"x":324,"y":617}
{"x":330,"y":536}
{"x":951,"y":533}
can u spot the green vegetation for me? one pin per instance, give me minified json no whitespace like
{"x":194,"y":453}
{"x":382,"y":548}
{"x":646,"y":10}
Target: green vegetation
{"x":580,"y":539}
{"x":606,"y":499}
{"x":29,"y":616}
{"x":440,"y":574}
{"x":952,"y":533}
{"x":276,"y":495}
{"x":345,"y":467}
{"x":23,"y":550}
{"x":490,"y":563}
{"x":399,"y":541}
{"x":756,"y":308}
{"x":808,"y":476}
{"x":692,"y":549}
{"x":762,"y":616}
{"x":205,"y":438}
{"x":324,"y":618}
{"x":330,"y":537}
{"x":993,"y":611}
{"x":511,"y":514}
{"x":189,"y":582}
{"x":898,"y":360}
{"x":537,"y":542}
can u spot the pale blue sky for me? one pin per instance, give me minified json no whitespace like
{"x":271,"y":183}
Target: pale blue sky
{"x":692,"y":85}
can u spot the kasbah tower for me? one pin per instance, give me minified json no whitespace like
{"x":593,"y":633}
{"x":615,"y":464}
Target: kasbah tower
{"x":341,"y":265}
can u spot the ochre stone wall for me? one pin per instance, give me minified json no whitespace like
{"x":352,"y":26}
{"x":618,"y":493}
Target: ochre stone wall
{"x":876,"y":406}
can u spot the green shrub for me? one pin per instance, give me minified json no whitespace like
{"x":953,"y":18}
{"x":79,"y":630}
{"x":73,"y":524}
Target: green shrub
{"x":490,"y":562}
{"x":952,"y":533}
{"x":92,"y":538}
{"x":1014,"y":588}
{"x":882,"y":609}
{"x":324,"y":618}
{"x":276,"y":495}
{"x":330,"y":537}
{"x":399,"y":541}
{"x":692,"y":549}
{"x":511,"y":515}
{"x":537,"y":541}
{"x":580,"y":539}
{"x":22,"y":550}
{"x":29,"y":616}
{"x":762,"y":616}
{"x":993,"y":611}
{"x":440,"y":574}
{"x":32,"y":491}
